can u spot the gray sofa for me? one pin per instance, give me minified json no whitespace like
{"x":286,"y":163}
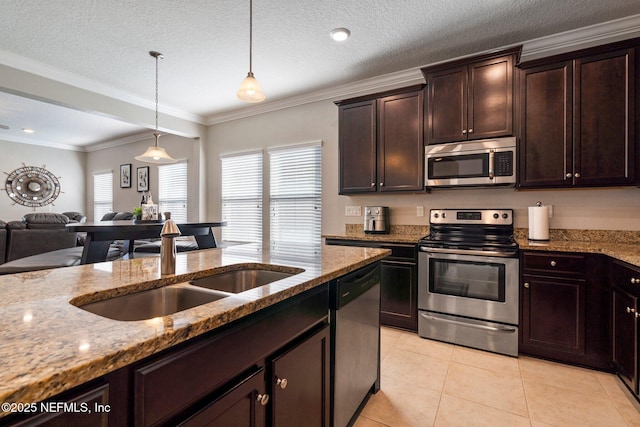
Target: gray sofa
{"x":37,"y":233}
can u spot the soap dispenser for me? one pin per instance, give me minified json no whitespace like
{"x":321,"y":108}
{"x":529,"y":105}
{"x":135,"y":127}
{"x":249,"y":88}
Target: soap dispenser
{"x":168,"y":245}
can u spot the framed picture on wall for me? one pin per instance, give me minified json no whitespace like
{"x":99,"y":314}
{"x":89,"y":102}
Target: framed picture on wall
{"x":143,"y":178}
{"x":125,"y":176}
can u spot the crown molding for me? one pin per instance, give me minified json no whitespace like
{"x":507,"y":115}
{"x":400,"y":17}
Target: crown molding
{"x":39,"y":69}
{"x":350,"y":90}
{"x":581,"y":38}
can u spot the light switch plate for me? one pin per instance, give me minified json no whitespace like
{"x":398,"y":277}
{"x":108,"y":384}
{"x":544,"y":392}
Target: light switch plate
{"x":419,"y":210}
{"x":352,"y":211}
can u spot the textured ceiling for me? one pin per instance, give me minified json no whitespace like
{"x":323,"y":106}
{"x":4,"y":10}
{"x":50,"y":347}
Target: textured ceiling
{"x":205,"y":43}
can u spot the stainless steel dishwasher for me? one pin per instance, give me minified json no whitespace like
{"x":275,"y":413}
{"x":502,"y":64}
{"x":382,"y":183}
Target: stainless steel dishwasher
{"x":355,"y":358}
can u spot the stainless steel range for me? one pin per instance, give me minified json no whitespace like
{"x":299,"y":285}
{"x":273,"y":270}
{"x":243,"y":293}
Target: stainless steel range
{"x":468,"y":279}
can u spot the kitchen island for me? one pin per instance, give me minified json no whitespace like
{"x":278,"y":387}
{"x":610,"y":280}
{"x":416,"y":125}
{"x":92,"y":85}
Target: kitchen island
{"x":49,"y":345}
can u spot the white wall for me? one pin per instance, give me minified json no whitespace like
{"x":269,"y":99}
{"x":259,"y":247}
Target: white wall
{"x":67,"y":165}
{"x":615,"y":209}
{"x":125,"y":199}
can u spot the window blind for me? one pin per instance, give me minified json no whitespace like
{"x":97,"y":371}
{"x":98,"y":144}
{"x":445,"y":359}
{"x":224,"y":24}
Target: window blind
{"x":102,"y":194}
{"x":242,"y":197}
{"x":172,"y":190}
{"x":296,"y":200}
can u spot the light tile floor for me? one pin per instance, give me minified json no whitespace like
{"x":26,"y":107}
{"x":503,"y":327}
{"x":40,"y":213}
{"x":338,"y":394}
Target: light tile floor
{"x":429,"y":383}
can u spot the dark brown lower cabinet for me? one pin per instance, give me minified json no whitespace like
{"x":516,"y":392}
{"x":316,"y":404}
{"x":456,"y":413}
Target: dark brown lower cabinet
{"x":625,"y":337}
{"x":398,"y":283}
{"x":86,"y":407}
{"x":565,"y":308}
{"x":244,"y":405}
{"x":626,"y":315}
{"x":300,"y":384}
{"x":553,"y":319}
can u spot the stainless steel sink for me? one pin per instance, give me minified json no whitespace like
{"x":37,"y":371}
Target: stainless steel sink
{"x":241,"y":280}
{"x":153,"y":303}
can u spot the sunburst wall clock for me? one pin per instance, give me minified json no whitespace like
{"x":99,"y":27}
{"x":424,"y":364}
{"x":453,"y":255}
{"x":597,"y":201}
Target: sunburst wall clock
{"x":32,"y":186}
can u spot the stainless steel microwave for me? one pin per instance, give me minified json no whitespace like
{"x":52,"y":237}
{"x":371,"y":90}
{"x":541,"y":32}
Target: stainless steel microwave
{"x":487,"y":162}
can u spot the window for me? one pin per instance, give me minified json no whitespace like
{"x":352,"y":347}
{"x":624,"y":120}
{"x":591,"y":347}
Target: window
{"x":102,"y":194}
{"x":296,"y":199}
{"x":172,"y":190}
{"x":242,"y":197}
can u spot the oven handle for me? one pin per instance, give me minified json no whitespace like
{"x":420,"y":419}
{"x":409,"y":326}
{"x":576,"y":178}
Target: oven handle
{"x":505,"y":254}
{"x":492,"y":156}
{"x":504,"y":329}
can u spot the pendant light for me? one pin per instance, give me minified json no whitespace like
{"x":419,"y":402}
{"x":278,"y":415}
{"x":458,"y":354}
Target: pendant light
{"x":156,"y":154}
{"x":250,"y":90}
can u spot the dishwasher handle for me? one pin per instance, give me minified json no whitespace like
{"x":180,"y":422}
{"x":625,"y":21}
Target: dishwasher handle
{"x":352,"y":285}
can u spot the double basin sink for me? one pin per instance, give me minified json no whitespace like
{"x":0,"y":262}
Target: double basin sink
{"x":171,"y":299}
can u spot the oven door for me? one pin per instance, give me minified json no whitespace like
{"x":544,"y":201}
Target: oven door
{"x":480,"y":287}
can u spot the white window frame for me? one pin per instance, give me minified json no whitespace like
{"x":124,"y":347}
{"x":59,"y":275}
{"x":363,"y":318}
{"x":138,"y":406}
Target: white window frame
{"x":242,"y":196}
{"x":102,"y":194}
{"x":295,"y":199}
{"x":173,"y":190}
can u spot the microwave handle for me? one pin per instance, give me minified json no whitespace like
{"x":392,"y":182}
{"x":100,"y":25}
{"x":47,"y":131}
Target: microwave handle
{"x":492,"y":158}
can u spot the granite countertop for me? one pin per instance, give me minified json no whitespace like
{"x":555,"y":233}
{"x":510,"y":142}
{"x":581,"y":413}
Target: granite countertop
{"x":618,"y":244}
{"x":47,"y":345}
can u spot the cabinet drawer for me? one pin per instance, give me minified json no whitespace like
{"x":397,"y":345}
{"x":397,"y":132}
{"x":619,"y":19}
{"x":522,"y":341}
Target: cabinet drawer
{"x":625,"y":277}
{"x":553,"y":263}
{"x":405,"y":253}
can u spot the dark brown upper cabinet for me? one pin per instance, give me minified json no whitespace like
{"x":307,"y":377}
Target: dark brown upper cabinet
{"x":471,"y":99}
{"x":381,"y":142}
{"x":577,"y":119}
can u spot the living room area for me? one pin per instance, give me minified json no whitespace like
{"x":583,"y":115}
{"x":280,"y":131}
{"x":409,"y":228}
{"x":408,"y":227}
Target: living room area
{"x":32,"y":228}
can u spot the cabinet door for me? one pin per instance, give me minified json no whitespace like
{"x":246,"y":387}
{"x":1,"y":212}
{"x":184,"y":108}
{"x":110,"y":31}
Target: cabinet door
{"x":357,"y":147}
{"x":301,"y":384}
{"x":242,"y":406}
{"x":552,"y":317}
{"x":398,"y":303}
{"x":401,"y":142}
{"x":604,"y":119}
{"x":625,"y":336}
{"x":490,"y":98}
{"x":546,"y":126}
{"x":447,"y":106}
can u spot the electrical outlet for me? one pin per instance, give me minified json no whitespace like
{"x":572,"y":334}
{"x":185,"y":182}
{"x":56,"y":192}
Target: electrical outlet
{"x":352,"y":211}
{"x":419,"y":210}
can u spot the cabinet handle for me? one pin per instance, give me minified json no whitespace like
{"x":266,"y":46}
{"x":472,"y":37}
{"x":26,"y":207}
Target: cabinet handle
{"x":553,"y":263}
{"x":526,"y":285}
{"x":631,"y":310}
{"x":464,"y":131}
{"x":470,"y":130}
{"x":282,"y":383}
{"x":373,"y":184}
{"x":569,"y":175}
{"x":634,"y":280}
{"x":262,"y":399}
{"x":381,"y":184}
{"x":577,"y":175}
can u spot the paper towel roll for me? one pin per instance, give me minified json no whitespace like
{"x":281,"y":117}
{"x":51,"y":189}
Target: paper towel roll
{"x":539,"y":223}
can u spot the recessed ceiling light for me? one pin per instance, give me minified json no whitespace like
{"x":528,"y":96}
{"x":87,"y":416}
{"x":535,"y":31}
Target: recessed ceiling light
{"x":27,"y":130}
{"x":5,"y":127}
{"x":340,"y":34}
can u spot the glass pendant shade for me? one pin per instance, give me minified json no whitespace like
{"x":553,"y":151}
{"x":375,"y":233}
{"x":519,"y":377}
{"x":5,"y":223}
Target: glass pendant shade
{"x":250,"y":90}
{"x":156,"y":154}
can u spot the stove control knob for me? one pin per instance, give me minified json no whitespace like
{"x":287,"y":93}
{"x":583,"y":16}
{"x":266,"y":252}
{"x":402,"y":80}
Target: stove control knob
{"x":496,"y":216}
{"x":505,"y":215}
{"x":444,"y":215}
{"x":436,"y":215}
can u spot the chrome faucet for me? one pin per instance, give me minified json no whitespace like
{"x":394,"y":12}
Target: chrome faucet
{"x":168,"y":245}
